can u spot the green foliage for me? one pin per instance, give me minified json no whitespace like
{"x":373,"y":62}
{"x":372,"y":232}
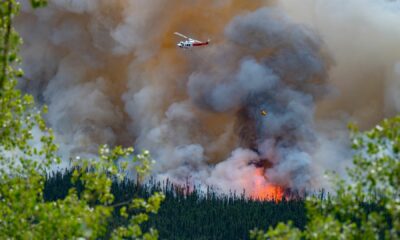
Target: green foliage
{"x":38,"y":3}
{"x":27,"y":150}
{"x":281,"y":231}
{"x":365,"y":207}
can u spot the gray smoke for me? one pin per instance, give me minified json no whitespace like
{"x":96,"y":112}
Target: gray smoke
{"x":111,"y":73}
{"x":362,"y":36}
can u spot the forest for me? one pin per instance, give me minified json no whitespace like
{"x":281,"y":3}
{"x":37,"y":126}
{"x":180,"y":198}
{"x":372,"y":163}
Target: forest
{"x":194,"y":214}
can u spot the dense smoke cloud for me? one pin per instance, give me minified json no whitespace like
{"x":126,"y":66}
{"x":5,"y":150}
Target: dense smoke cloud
{"x":362,"y":36}
{"x":110,"y":72}
{"x":277,"y":66}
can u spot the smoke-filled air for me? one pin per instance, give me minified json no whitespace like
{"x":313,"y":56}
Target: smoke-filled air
{"x":264,"y":107}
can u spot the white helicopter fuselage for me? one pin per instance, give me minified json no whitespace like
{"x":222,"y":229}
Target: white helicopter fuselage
{"x":190,"y":43}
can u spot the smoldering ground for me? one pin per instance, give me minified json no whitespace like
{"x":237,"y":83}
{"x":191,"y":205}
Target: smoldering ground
{"x":110,"y":73}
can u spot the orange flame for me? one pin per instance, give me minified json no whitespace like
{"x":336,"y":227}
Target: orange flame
{"x":263,"y":190}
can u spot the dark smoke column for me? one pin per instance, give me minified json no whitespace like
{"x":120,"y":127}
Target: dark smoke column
{"x":274,"y":65}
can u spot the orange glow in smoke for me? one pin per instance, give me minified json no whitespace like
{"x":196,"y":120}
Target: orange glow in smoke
{"x":263,"y":190}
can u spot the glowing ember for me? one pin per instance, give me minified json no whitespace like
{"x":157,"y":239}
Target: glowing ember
{"x":263,"y":190}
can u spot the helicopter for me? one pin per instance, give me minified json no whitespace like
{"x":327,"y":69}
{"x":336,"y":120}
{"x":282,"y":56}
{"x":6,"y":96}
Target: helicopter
{"x":189,"y":42}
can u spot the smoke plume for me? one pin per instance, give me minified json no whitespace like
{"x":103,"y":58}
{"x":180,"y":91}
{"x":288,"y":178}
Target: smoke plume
{"x":110,"y":72}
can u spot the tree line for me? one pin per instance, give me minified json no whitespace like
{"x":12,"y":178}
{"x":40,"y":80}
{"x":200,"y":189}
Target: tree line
{"x":191,"y":213}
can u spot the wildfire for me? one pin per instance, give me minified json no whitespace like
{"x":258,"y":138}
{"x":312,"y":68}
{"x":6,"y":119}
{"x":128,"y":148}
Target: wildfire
{"x":263,"y":190}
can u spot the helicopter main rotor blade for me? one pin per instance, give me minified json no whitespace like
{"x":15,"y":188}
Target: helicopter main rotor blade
{"x":181,"y":35}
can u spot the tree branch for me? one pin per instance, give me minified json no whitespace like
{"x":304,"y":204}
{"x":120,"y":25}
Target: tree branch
{"x":6,"y":45}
